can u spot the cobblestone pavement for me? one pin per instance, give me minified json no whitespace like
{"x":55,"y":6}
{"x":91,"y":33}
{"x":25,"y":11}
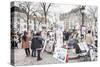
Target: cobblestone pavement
{"x":21,"y":59}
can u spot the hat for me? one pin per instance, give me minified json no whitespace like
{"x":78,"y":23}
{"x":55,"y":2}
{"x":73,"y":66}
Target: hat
{"x":37,"y":34}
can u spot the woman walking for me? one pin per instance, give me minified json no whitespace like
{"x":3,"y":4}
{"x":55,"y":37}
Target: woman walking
{"x":25,"y":43}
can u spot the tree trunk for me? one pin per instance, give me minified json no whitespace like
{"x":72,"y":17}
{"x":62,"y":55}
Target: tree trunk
{"x":34,"y":25}
{"x":27,"y":22}
{"x":45,"y":18}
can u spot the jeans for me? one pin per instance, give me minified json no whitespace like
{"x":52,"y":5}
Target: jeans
{"x":34,"y":52}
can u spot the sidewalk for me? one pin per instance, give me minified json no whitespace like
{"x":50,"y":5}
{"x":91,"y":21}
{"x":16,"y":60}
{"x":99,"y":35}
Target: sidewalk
{"x":21,"y":59}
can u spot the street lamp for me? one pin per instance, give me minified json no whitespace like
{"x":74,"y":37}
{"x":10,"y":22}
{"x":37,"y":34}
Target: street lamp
{"x":18,"y":20}
{"x":34,"y":23}
{"x":82,"y":14}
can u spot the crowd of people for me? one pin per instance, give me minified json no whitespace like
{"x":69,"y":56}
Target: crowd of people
{"x":38,"y":40}
{"x":36,"y":44}
{"x":74,"y":38}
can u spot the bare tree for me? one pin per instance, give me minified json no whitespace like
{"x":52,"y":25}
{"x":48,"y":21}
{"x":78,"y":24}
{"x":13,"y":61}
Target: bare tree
{"x":45,"y":7}
{"x":93,"y":12}
{"x":28,"y":9}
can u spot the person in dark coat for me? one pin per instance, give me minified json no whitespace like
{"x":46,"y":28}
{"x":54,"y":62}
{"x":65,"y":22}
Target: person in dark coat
{"x":65,"y":36}
{"x":36,"y":45}
{"x":33,"y":47}
{"x":13,"y":41}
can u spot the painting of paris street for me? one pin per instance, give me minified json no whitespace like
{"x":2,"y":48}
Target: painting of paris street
{"x":53,"y":33}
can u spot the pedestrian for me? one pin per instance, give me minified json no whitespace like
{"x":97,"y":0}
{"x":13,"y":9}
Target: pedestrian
{"x":33,"y":47}
{"x":25,"y":43}
{"x":12,"y":42}
{"x":37,"y":45}
{"x":16,"y":40}
{"x":89,"y":39}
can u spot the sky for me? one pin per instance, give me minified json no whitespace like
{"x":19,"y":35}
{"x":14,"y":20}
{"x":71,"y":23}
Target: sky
{"x":63,"y":8}
{"x":58,"y":8}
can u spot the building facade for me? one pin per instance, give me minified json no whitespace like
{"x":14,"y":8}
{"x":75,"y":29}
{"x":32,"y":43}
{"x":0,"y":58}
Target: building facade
{"x":73,"y":20}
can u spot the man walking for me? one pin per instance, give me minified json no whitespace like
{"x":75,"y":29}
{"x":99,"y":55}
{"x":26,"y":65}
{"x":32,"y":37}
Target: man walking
{"x":36,"y":46}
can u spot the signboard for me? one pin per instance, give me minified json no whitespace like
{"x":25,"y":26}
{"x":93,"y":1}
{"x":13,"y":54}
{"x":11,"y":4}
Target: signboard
{"x":61,"y":54}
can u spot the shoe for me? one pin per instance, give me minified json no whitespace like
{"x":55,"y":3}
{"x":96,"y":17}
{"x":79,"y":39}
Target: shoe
{"x":39,"y":59}
{"x":27,"y":55}
{"x":34,"y":56}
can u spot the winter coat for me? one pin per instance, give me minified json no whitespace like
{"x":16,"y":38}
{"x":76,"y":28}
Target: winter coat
{"x":25,"y":44}
{"x":65,"y":36}
{"x":36,"y":43}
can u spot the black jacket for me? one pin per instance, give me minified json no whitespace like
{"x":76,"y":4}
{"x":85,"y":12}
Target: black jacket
{"x":65,"y":36}
{"x":36,"y":43}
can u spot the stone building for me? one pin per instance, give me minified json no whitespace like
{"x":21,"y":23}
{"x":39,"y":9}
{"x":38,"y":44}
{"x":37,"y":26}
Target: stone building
{"x":19,"y":20}
{"x":74,"y":18}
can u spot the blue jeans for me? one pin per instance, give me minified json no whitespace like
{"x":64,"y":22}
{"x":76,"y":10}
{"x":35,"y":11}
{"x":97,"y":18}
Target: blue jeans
{"x":34,"y":52}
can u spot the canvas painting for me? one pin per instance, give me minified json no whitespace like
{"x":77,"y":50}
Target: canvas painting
{"x":53,"y":33}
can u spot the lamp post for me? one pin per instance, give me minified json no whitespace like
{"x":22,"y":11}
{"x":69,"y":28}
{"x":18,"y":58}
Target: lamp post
{"x":34,"y":18}
{"x":18,"y":20}
{"x":82,"y":14}
{"x":34,"y":23}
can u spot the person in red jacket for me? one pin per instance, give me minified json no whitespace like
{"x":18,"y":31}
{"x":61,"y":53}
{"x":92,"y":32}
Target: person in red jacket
{"x":25,"y":43}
